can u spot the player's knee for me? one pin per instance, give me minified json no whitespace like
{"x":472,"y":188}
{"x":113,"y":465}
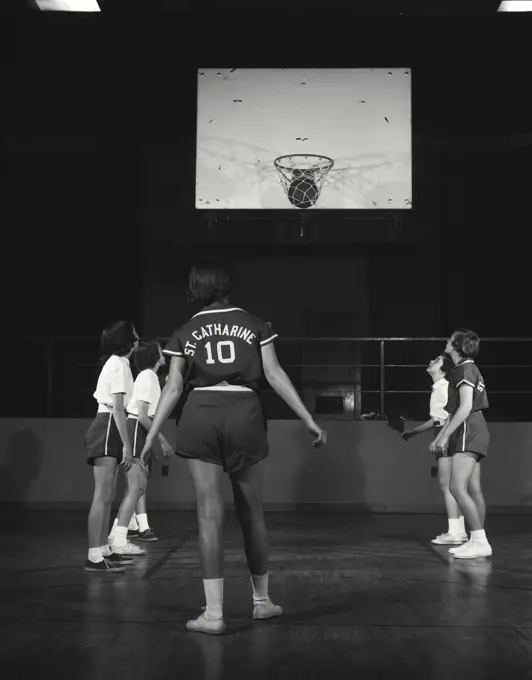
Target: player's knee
{"x":476,"y":494}
{"x":473,"y":488}
{"x":444,"y":484}
{"x":210,"y":508}
{"x":457,"y":487}
{"x":104,"y":492}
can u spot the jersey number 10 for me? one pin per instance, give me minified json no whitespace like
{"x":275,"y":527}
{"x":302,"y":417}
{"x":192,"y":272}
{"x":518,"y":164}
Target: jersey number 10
{"x":225,"y":351}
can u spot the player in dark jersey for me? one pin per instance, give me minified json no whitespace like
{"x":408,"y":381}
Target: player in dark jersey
{"x":466,"y":438}
{"x":224,"y":349}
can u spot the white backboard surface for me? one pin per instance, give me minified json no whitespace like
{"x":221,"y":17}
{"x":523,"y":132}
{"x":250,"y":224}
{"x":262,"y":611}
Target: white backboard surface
{"x":360,"y":118}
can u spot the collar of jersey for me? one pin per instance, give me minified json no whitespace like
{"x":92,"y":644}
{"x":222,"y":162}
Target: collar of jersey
{"x":215,"y":310}
{"x":465,"y":361}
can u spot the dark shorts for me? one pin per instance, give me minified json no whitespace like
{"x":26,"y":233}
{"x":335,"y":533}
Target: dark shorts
{"x":224,"y":428}
{"x":471,"y":437}
{"x":103,"y":439}
{"x":137,"y":436}
{"x":437,"y":430}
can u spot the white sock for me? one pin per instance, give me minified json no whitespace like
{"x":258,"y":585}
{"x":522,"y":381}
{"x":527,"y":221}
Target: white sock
{"x":142,"y":520}
{"x":106,"y":550}
{"x":454,"y":527}
{"x":462,"y":525}
{"x":133,"y":525}
{"x":260,"y":588}
{"x":214,"y":596}
{"x":112,"y":533}
{"x":95,"y":555}
{"x":479,"y":535}
{"x":120,"y":538}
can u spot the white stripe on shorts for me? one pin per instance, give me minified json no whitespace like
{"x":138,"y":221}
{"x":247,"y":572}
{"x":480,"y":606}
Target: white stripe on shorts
{"x":108,"y":432}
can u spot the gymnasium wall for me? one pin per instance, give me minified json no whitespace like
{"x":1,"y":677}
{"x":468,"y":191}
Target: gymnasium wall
{"x":365,"y":467}
{"x":300,"y":296}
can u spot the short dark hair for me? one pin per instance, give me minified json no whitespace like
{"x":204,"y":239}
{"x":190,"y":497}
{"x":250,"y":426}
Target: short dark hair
{"x":209,"y":281}
{"x":147,"y":355}
{"x":117,"y":338}
{"x":447,"y":364}
{"x":466,"y":343}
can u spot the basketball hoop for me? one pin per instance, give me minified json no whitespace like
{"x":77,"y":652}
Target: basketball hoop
{"x":302,"y":177}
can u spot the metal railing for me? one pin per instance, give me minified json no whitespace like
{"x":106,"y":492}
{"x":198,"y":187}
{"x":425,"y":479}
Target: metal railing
{"x":341,"y":378}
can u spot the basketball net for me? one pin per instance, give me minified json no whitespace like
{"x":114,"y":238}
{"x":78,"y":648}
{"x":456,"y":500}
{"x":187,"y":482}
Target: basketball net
{"x":302,"y":177}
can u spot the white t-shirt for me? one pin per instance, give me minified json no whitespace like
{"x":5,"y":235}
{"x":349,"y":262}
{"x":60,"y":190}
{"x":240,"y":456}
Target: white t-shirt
{"x":438,"y":401}
{"x":115,"y":378}
{"x":147,"y":389}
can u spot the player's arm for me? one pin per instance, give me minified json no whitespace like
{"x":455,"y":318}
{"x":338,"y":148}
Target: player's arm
{"x":428,"y":425}
{"x":143,"y":418}
{"x":119,"y":415}
{"x":169,"y":397}
{"x":147,"y":422}
{"x":282,"y":384}
{"x":464,"y":409}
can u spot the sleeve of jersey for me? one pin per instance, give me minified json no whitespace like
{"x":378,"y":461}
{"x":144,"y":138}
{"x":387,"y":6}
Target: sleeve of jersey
{"x":266,"y":333}
{"x":466,"y":376}
{"x":145,"y":391}
{"x":174,"y":348}
{"x":118,"y":377}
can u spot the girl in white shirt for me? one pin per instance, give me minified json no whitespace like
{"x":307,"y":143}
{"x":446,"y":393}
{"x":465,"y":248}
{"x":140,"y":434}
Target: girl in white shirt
{"x":141,"y":408}
{"x":439,"y":368}
{"x":107,"y":442}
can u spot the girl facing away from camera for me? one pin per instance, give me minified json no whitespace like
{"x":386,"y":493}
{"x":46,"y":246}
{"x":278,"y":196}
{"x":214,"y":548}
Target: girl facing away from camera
{"x":465,"y":437}
{"x":439,"y":370}
{"x":107,"y":442}
{"x":224,"y":349}
{"x":148,"y":359}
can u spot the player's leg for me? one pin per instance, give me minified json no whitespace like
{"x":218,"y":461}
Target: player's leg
{"x":454,"y":534}
{"x":133,"y":528}
{"x":106,"y":551}
{"x":144,"y":531}
{"x":135,"y":486}
{"x":207,"y":484}
{"x":463,"y":467}
{"x":475,"y":491}
{"x":104,"y":470}
{"x":247,"y":486}
{"x":247,"y":493}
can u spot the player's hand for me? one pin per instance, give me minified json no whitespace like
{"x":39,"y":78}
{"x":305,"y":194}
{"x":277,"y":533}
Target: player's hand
{"x":144,"y":454}
{"x":127,"y":459}
{"x":321,"y":434}
{"x":408,"y":435}
{"x":144,"y":467}
{"x":442,"y":444}
{"x":167,"y":448}
{"x":434,"y":445}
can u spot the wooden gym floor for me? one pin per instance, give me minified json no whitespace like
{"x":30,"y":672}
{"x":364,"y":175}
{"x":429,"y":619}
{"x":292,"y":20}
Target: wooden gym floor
{"x":364,"y":597}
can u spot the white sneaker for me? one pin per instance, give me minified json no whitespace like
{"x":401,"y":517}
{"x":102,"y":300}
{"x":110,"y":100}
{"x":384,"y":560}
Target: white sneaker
{"x":464,"y":536}
{"x":127,"y":549}
{"x":266,"y":610}
{"x":447,"y":539}
{"x":472,"y":549}
{"x":203,"y":625}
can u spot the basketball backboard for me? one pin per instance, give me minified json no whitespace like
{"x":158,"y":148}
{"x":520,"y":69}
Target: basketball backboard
{"x":358,"y":117}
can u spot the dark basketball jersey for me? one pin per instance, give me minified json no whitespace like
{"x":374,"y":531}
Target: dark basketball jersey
{"x":222,"y":344}
{"x":466,"y":373}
